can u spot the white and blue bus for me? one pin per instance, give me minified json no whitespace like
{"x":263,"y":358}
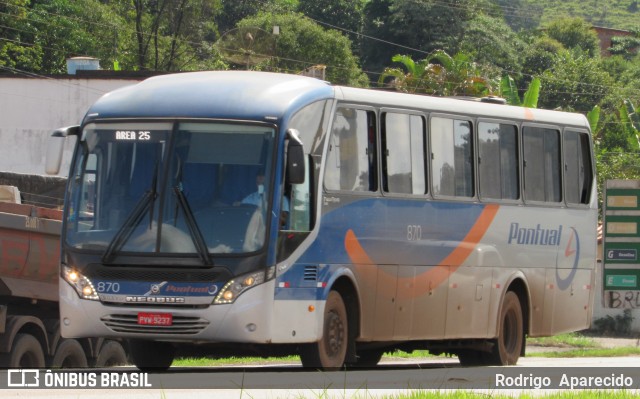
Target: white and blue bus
{"x":236,"y":211}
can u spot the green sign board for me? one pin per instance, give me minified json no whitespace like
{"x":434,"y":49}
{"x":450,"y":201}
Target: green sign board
{"x":621,"y":240}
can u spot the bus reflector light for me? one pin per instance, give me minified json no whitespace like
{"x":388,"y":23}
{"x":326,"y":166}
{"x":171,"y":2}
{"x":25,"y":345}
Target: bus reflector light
{"x":284,"y":284}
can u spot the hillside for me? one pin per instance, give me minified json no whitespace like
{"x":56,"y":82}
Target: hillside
{"x":619,"y":14}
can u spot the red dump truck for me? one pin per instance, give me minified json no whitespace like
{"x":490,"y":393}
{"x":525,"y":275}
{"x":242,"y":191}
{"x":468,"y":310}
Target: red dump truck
{"x":30,"y":228}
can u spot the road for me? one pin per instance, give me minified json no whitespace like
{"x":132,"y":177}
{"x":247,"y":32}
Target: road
{"x":292,"y":381}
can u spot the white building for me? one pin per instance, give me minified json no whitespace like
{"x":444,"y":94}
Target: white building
{"x":32,"y":107}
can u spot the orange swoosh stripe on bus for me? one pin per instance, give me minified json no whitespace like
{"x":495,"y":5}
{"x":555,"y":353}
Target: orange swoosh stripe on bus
{"x":440,"y":273}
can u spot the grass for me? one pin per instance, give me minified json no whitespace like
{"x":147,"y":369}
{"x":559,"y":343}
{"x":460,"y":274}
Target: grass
{"x":233,"y":361}
{"x":572,"y":340}
{"x":591,"y":352}
{"x":604,"y":394}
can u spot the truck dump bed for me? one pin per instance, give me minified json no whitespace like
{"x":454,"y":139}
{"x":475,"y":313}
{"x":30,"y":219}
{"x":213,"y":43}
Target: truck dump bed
{"x":30,"y":237}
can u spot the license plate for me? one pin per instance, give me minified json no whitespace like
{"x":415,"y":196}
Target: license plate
{"x":155,"y":319}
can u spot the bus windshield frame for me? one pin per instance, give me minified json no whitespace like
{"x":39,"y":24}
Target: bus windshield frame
{"x":171,"y":188}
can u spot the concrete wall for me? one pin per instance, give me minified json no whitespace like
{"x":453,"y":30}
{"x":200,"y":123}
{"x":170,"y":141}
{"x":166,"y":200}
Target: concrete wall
{"x":31,"y":108}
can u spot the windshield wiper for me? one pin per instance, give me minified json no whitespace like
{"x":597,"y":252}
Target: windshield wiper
{"x":129,"y":224}
{"x":135,"y":217}
{"x":194,"y":230}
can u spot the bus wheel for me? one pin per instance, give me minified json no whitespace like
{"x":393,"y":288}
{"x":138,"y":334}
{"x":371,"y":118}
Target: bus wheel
{"x":69,"y":354}
{"x":151,"y":355}
{"x":330,"y":352}
{"x":508,"y":345}
{"x":26,"y":352}
{"x":111,"y":354}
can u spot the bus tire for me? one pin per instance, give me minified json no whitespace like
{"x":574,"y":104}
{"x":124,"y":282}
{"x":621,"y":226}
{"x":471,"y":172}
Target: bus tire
{"x":26,"y":352}
{"x":69,"y":354}
{"x":508,"y":345}
{"x":330,"y":352}
{"x":151,"y":355}
{"x":111,"y":354}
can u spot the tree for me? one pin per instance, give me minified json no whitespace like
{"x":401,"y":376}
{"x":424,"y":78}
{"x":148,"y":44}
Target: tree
{"x":17,"y":50}
{"x":521,"y":14}
{"x":234,"y":11}
{"x":575,"y":82}
{"x":303,"y":43}
{"x":167,"y":35}
{"x":346,"y":14}
{"x":540,"y":56}
{"x":421,"y":26}
{"x":439,"y":74}
{"x":490,"y":41}
{"x":575,"y":33}
{"x":627,"y":46}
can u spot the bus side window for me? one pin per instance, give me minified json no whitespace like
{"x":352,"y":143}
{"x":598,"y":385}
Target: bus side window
{"x":577,"y":167}
{"x":498,"y":161}
{"x":352,"y":160}
{"x":452,"y":157}
{"x":403,"y":153}
{"x":299,"y":199}
{"x":542,"y":168}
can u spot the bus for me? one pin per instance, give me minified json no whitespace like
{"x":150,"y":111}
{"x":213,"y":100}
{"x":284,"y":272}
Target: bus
{"x":233,"y":211}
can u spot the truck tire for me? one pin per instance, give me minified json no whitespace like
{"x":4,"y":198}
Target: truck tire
{"x":151,"y":355}
{"x":26,"y":352}
{"x":111,"y":354}
{"x":69,"y":354}
{"x":330,"y":352}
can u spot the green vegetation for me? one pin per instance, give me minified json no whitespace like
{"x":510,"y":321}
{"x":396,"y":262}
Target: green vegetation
{"x":573,"y":340}
{"x":591,"y":352}
{"x":497,"y":395}
{"x":437,"y":47}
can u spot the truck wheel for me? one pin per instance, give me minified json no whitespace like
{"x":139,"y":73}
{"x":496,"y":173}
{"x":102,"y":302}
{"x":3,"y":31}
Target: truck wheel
{"x":111,"y":354}
{"x":151,"y":355}
{"x":69,"y":354}
{"x":25,"y":353}
{"x":508,"y":345}
{"x":330,"y":352}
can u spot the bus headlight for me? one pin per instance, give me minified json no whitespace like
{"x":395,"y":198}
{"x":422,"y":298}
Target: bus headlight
{"x":80,"y":283}
{"x":240,"y":284}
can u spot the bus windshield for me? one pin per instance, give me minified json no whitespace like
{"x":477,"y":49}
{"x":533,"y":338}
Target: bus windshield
{"x":171,"y":188}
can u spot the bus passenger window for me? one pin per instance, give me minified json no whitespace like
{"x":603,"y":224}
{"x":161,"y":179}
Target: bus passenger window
{"x":578,"y":169}
{"x":498,"y":165}
{"x":452,"y":157}
{"x":352,"y":160}
{"x":403,"y":153}
{"x":542,"y":173}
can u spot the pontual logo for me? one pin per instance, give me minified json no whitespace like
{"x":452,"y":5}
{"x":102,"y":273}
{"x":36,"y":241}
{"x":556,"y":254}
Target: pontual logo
{"x":534,"y":235}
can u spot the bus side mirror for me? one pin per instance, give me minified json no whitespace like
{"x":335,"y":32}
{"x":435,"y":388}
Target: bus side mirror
{"x":295,"y":158}
{"x":55,"y":148}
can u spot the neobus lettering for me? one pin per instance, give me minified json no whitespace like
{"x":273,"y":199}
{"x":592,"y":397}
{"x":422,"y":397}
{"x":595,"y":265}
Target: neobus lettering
{"x":534,"y":236}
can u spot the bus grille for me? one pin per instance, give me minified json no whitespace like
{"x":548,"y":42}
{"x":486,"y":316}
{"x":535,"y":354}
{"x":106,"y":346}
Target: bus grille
{"x":311,"y":273}
{"x":129,"y":324}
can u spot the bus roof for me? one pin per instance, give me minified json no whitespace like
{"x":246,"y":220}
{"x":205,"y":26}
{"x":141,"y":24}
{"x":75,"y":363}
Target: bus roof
{"x":457,"y":106}
{"x":216,"y":94}
{"x":251,"y":95}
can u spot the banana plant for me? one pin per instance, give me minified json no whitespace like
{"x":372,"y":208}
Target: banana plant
{"x":509,"y":91}
{"x":631,"y":121}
